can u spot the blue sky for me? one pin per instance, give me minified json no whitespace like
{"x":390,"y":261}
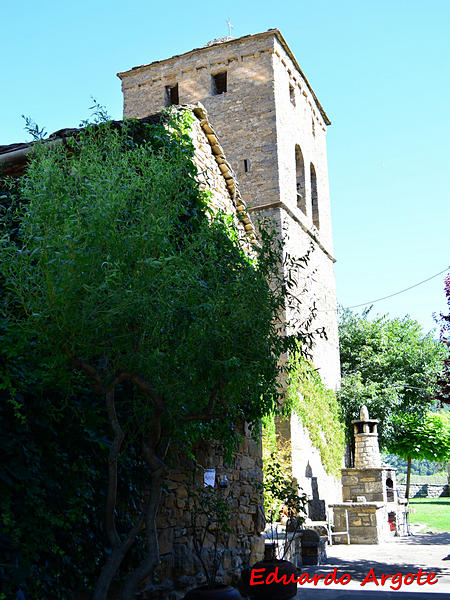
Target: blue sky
{"x":381,"y":69}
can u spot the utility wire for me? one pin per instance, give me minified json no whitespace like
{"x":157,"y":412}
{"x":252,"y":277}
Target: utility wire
{"x":400,"y":292}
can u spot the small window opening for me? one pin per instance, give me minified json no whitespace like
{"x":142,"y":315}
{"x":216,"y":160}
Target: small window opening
{"x":300,"y":179}
{"x":313,"y":127}
{"x":219,"y":83}
{"x":292,"y":94}
{"x":389,"y":490}
{"x":172,"y":95}
{"x":314,"y":198}
{"x":246,"y":165}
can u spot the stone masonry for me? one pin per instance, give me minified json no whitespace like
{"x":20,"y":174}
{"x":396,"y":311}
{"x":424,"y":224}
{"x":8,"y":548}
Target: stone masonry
{"x":180,"y":569}
{"x":370,"y":499}
{"x":425,"y":490}
{"x":367,"y":452}
{"x":273,"y":131}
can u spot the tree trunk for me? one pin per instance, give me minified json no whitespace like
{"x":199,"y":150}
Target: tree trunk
{"x":151,"y":560}
{"x":408,"y":478}
{"x":119,"y":548}
{"x":108,"y":571}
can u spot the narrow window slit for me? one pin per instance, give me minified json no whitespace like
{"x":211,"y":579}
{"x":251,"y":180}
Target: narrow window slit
{"x":300,"y":179}
{"x":172,"y":95}
{"x":314,"y":197}
{"x":219,"y":83}
{"x":292,"y":94}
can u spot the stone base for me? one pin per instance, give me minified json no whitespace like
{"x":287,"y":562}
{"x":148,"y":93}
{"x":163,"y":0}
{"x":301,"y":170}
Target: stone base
{"x":368,"y":522}
{"x":313,"y":548}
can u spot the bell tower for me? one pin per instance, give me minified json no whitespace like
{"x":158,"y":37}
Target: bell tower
{"x":273,"y":130}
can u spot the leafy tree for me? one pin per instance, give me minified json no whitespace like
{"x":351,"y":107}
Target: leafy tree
{"x":443,"y":381}
{"x":51,"y":494}
{"x":421,"y":437}
{"x":118,"y":272}
{"x":419,"y":468}
{"x":388,"y":365}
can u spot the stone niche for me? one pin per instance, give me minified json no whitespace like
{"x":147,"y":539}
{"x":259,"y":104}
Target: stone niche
{"x":369,"y":493}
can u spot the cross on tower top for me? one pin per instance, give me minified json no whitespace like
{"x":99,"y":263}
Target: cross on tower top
{"x":230,"y":26}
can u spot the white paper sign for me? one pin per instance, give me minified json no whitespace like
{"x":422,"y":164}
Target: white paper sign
{"x":209,"y":477}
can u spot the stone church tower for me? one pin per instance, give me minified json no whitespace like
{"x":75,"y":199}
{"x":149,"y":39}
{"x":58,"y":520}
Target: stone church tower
{"x":273,"y":131}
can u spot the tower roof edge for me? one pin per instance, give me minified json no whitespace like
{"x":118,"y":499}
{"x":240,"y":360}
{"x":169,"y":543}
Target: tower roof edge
{"x":228,"y":42}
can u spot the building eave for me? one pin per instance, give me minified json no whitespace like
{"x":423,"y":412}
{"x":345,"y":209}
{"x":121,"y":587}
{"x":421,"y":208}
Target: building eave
{"x":13,"y":158}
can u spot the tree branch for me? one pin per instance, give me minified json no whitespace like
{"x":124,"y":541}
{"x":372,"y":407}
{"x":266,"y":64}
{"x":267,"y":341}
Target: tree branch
{"x":151,"y":560}
{"x":209,"y":414}
{"x":203,"y":417}
{"x":111,"y":497}
{"x":89,"y":371}
{"x":115,"y":559}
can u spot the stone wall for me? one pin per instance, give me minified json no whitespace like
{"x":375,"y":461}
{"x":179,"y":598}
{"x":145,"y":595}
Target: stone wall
{"x":424,"y":490}
{"x":180,"y":569}
{"x":367,"y":522}
{"x":235,"y":115}
{"x":309,"y":471}
{"x":215,"y":175}
{"x":368,"y":482}
{"x":367,"y":453}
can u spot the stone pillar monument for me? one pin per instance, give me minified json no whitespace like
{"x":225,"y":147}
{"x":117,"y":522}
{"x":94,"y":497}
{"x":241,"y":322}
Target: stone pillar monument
{"x":367,"y":452}
{"x":370,"y":502}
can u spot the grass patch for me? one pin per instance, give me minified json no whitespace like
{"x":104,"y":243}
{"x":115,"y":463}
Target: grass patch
{"x":433,"y":513}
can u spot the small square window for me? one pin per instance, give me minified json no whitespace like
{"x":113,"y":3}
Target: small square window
{"x":171,"y":95}
{"x":219,"y":83}
{"x":292,"y":94}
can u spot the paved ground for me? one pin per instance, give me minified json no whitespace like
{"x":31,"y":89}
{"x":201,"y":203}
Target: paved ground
{"x":429,"y":552}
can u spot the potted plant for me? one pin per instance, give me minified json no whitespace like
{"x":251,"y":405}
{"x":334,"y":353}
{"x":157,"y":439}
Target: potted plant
{"x":284,"y":502}
{"x":210,"y":519}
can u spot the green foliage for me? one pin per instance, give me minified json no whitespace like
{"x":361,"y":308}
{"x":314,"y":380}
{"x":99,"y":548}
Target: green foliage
{"x":269,"y":434}
{"x":443,"y":379}
{"x":281,"y":491}
{"x":387,"y":364}
{"x":430,"y":513}
{"x":51,"y":494}
{"x":284,"y":500}
{"x":318,"y":410}
{"x":110,"y":230}
{"x":211,"y":514}
{"x":113,"y":265}
{"x":422,"y":437}
{"x":419,"y":468}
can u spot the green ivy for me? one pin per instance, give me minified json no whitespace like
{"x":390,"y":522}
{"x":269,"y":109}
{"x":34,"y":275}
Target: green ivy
{"x":318,"y":410}
{"x":269,"y":434}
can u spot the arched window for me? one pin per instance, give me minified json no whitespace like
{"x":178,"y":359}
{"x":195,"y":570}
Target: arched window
{"x":300,"y":179}
{"x":314,"y":198}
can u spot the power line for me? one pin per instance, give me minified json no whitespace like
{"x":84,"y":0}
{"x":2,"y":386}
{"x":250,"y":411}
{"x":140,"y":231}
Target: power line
{"x":400,"y":292}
